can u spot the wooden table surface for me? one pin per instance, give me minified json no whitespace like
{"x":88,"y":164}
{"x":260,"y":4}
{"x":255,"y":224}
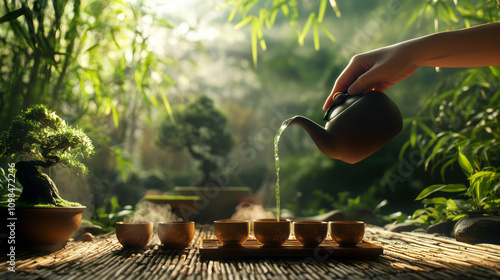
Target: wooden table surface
{"x":406,"y":256}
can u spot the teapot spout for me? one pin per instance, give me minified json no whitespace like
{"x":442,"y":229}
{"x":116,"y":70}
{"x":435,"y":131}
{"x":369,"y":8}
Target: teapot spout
{"x":319,"y":135}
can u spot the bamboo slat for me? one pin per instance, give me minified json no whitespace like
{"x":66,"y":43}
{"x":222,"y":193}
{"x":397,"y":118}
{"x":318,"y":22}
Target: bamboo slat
{"x":406,"y":256}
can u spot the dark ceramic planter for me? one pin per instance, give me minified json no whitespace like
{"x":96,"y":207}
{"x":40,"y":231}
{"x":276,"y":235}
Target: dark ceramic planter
{"x":182,"y":208}
{"x":442,"y":228}
{"x":482,"y":229}
{"x":216,"y":203}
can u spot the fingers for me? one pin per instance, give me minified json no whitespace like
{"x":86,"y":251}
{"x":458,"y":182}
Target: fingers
{"x":328,"y":102}
{"x":357,"y":67}
{"x":346,"y":78}
{"x":363,"y":83}
{"x":381,"y":79}
{"x":378,"y":70}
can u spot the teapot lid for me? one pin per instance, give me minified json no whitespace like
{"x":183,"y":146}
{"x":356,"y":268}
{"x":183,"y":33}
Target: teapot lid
{"x":341,"y":102}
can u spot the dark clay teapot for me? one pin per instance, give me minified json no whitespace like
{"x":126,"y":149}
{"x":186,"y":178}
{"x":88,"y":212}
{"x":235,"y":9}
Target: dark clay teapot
{"x":356,"y":127}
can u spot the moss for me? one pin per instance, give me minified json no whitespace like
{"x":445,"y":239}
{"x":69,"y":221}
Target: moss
{"x":60,"y":203}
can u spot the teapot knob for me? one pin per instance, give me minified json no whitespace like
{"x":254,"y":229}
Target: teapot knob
{"x":338,"y":98}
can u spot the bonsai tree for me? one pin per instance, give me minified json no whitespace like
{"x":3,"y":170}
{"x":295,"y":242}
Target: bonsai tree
{"x":202,"y":130}
{"x":43,"y":139}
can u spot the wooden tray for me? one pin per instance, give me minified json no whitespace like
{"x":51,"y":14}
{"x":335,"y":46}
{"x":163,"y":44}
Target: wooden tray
{"x":212,"y":249}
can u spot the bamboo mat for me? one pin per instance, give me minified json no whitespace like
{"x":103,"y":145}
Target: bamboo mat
{"x":406,"y":256}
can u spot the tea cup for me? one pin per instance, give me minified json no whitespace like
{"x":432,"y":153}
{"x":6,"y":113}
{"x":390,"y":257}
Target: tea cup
{"x":310,"y":233}
{"x":271,"y":232}
{"x":175,"y":235}
{"x":232,"y":233}
{"x":347,"y":233}
{"x":134,"y":234}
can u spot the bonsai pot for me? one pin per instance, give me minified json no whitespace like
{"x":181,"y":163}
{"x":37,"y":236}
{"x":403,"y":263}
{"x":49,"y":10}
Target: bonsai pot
{"x":44,"y":229}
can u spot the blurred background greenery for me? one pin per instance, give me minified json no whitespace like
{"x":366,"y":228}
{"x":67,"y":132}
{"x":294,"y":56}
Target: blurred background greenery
{"x":119,"y":69}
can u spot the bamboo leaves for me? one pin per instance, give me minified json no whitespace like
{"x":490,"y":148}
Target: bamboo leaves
{"x":441,"y":187}
{"x":307,"y":26}
{"x":463,"y":112}
{"x":266,"y":16}
{"x":12,"y":15}
{"x":481,"y":196}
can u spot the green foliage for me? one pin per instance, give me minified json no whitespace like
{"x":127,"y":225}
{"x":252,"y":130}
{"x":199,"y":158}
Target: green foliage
{"x":263,"y":13}
{"x":91,"y":61}
{"x":397,"y":217}
{"x":172,"y":197}
{"x":464,"y":109}
{"x":443,"y":188}
{"x":465,"y":115}
{"x":57,"y":52}
{"x":107,"y":215}
{"x":41,"y":134}
{"x":463,"y":112}
{"x":38,"y":44}
{"x":322,"y":202}
{"x":202,"y":129}
{"x":482,"y":196}
{"x":4,"y":187}
{"x":352,"y":206}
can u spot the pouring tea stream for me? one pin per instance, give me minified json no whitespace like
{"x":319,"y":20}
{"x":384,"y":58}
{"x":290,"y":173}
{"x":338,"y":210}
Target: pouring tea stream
{"x":356,"y":127}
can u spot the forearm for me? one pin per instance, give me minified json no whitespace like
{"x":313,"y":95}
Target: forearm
{"x":382,"y":68}
{"x":472,"y":47}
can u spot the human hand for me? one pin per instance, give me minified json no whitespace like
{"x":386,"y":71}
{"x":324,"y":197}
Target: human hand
{"x":380,"y":69}
{"x":377,"y":70}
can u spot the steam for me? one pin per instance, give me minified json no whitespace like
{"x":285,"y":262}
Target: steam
{"x":249,"y":211}
{"x":146,"y":211}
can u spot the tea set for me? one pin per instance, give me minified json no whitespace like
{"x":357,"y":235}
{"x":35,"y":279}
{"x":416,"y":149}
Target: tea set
{"x":356,"y":127}
{"x":271,"y":233}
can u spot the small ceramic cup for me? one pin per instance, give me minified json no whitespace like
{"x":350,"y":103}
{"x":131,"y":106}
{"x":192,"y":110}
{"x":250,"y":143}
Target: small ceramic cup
{"x":310,"y":233}
{"x":232,"y":233}
{"x":271,"y":232}
{"x":175,"y":235}
{"x":347,"y":233}
{"x":134,"y":234}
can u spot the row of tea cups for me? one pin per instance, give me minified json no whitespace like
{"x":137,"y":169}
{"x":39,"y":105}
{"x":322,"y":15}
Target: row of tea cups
{"x":274,"y":232}
{"x":233,"y":233}
{"x":173,"y":235}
